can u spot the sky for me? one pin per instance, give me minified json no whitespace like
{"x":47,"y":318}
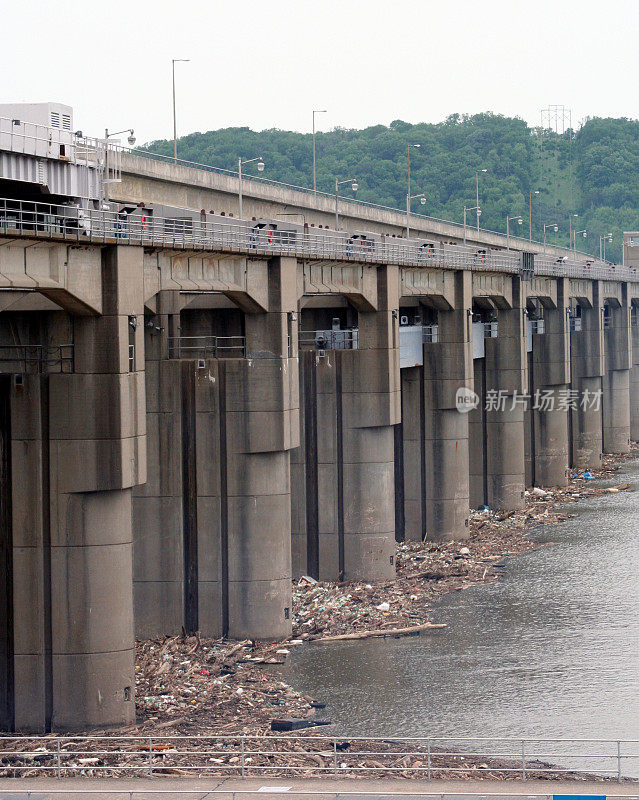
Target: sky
{"x":268,"y":64}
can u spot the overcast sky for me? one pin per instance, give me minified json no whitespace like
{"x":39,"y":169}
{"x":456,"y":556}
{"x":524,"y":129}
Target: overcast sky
{"x":268,"y":64}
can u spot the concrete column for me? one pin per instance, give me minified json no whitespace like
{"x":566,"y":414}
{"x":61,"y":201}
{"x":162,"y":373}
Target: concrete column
{"x":261,"y":425}
{"x":368,"y":381}
{"x":412,"y":380}
{"x":158,"y":557}
{"x":634,"y":379}
{"x":448,"y":366}
{"x":616,"y":380}
{"x":97,"y":454}
{"x":27,"y":679}
{"x":550,"y":383}
{"x":506,"y":378}
{"x":587,"y":369}
{"x":476,"y":438}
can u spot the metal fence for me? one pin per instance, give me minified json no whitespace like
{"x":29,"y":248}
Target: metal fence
{"x":245,"y":756}
{"x":42,"y":220}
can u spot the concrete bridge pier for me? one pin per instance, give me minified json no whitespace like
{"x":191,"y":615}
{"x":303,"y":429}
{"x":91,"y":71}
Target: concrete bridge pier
{"x":587,"y":369}
{"x":413,"y":453}
{"x":506,"y":384}
{"x":158,"y":557}
{"x":97,"y":454}
{"x":259,"y":428}
{"x":549,"y":383}
{"x":368,"y":380}
{"x":634,"y":374}
{"x":616,"y":380}
{"x":448,"y":367}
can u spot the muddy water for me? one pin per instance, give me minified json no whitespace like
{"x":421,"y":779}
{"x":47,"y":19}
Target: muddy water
{"x":551,"y":650}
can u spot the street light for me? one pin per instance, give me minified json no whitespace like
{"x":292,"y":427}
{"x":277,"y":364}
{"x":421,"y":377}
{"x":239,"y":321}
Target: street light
{"x":583,"y":233}
{"x":602,"y":241}
{"x":354,"y":187}
{"x":570,"y":218}
{"x":532,"y":192}
{"x":174,"y":61}
{"x":508,"y":221}
{"x":130,"y":139}
{"x":322,"y":111}
{"x":410,"y":197}
{"x":240,"y":163}
{"x":547,"y":225}
{"x":470,"y":208}
{"x":477,"y":208}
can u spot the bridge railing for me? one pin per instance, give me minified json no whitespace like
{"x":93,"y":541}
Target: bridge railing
{"x":36,"y":359}
{"x":337,"y":756}
{"x":42,"y":220}
{"x":330,"y":196}
{"x":207,"y":347}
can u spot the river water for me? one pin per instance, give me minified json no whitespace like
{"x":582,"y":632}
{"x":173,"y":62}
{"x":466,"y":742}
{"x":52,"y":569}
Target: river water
{"x":550,"y":650}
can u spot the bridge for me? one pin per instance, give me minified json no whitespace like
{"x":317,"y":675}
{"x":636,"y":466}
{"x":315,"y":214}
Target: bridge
{"x":196,"y":409}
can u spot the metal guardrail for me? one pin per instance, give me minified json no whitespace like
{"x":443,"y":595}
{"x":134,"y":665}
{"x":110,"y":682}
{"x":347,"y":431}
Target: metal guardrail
{"x":347,"y":339}
{"x":207,"y":346}
{"x":279,"y":791}
{"x":36,"y":358}
{"x":247,"y":756}
{"x":41,"y":220}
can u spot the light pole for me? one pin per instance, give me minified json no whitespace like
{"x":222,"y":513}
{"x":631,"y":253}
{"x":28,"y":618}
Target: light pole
{"x":174,"y":61}
{"x":410,"y":197}
{"x":408,"y":147}
{"x":107,"y":136}
{"x":547,"y":225}
{"x":570,"y":218}
{"x":470,"y":208}
{"x":322,"y":111}
{"x":583,"y":232}
{"x":532,"y":192}
{"x":602,"y":242}
{"x":354,"y":187}
{"x":240,"y":163}
{"x":508,"y":221}
{"x":477,"y":208}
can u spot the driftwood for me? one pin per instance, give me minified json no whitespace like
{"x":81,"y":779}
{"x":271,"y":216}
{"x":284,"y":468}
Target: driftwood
{"x":413,"y":630}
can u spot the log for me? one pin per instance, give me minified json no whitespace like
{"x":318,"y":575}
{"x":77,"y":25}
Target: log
{"x":413,"y":630}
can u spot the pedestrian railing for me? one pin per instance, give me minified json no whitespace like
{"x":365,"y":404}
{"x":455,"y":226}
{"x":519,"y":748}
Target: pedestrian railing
{"x":245,"y":756}
{"x":48,"y":221}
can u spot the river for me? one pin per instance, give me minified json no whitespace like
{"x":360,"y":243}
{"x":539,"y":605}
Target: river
{"x":550,"y":650}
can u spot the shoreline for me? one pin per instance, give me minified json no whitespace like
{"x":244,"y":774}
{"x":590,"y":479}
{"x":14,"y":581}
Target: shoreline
{"x":194,"y":685}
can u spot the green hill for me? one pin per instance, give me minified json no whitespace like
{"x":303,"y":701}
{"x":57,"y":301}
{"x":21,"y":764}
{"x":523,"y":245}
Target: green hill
{"x":593,"y":172}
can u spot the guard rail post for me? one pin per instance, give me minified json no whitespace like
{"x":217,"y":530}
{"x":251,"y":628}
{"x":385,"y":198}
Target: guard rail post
{"x":618,"y":761}
{"x":523,"y":760}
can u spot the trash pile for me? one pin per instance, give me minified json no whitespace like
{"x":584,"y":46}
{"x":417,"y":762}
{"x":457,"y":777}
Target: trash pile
{"x":194,"y":685}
